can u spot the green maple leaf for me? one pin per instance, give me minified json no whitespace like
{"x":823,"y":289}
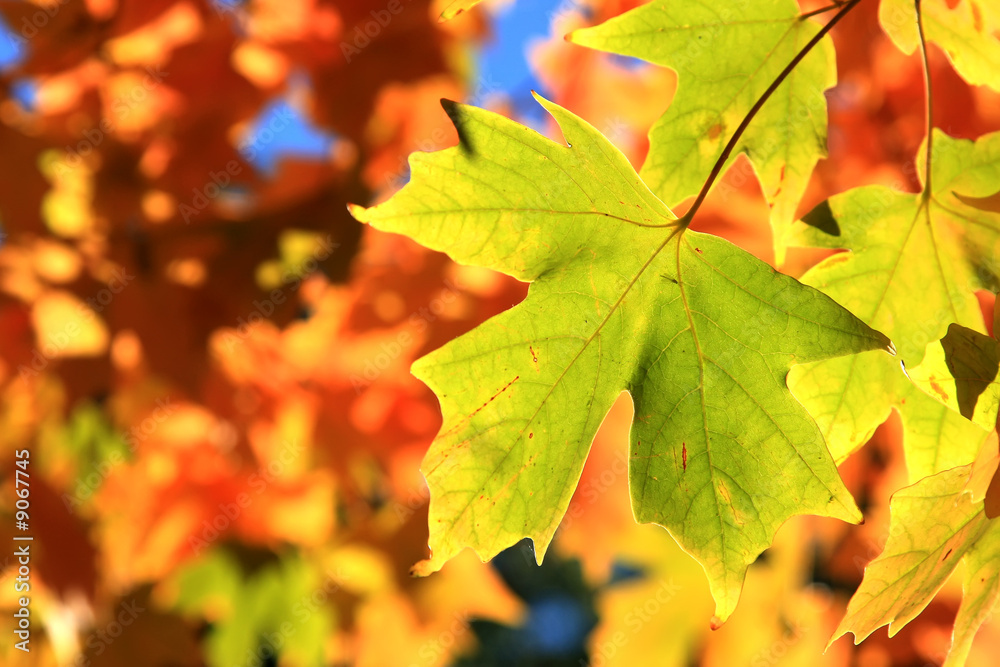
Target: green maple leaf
{"x":934,"y":524}
{"x":946,"y":517}
{"x":726,"y":55}
{"x":980,"y":593}
{"x":914,"y":267}
{"x":966,"y":32}
{"x":699,"y":332}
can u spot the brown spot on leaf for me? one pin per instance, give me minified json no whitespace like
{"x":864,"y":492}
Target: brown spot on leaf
{"x":939,"y":390}
{"x":839,"y":258}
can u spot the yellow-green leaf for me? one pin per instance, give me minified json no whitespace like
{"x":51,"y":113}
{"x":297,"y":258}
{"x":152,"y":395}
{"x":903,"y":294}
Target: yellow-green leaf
{"x":967,"y":33}
{"x":914,"y":267}
{"x":699,"y":332}
{"x":980,"y":593}
{"x":934,"y":524}
{"x":726,"y":55}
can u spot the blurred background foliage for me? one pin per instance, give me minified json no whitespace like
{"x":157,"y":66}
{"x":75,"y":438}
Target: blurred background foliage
{"x":208,"y":358}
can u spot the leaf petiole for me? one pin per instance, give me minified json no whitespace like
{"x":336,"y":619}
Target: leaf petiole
{"x":930,"y":108}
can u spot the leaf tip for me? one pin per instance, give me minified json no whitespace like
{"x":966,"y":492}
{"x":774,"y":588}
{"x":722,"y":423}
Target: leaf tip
{"x":424,"y":568}
{"x":578,"y":37}
{"x":450,"y":12}
{"x":450,"y":107}
{"x":858,"y":633}
{"x":725,"y":605}
{"x":358,"y":212}
{"x":890,"y":347}
{"x":837,"y":634}
{"x":458,"y":119}
{"x":857,"y":517}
